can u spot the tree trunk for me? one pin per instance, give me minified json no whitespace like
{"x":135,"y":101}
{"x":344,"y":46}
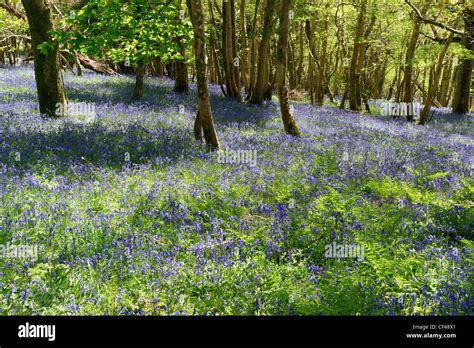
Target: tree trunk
{"x":301,"y":56}
{"x":321,"y":86}
{"x":229,"y":50}
{"x":140,"y":74}
{"x":261,"y":84}
{"x":291,"y":64}
{"x":204,"y":121}
{"x":181,"y":82}
{"x":288,"y":120}
{"x":216,"y":62}
{"x":213,"y":40}
{"x":269,"y":80}
{"x":452,"y":86}
{"x":354,"y":92}
{"x":312,"y":71}
{"x":445,"y":83}
{"x":408,"y":80}
{"x":93,"y":65}
{"x":463,"y":83}
{"x":244,"y":46}
{"x":78,"y":64}
{"x":236,"y":59}
{"x":47,"y":66}
{"x":253,"y":53}
{"x":434,"y":84}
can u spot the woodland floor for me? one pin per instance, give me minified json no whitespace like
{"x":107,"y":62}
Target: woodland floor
{"x":132,"y":216}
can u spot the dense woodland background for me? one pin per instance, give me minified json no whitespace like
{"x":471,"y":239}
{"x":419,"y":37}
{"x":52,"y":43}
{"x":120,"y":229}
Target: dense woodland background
{"x":348,"y":52}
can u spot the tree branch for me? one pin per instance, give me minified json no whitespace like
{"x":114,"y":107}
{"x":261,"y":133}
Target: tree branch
{"x":13,"y":11}
{"x":430,"y":21}
{"x":21,"y":37}
{"x":440,"y":40}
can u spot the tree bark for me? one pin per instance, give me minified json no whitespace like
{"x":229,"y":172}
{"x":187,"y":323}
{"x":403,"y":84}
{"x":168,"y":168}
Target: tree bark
{"x":408,"y":80}
{"x":321,"y":85}
{"x":261,"y":83}
{"x":229,"y":51}
{"x":244,"y":69}
{"x":354,"y":92}
{"x":312,"y":70}
{"x":140,"y":74}
{"x":93,"y":65}
{"x":204,"y":121}
{"x":181,"y":82}
{"x":288,"y":121}
{"x":463,"y":83}
{"x":434,"y":84}
{"x":445,"y":83}
{"x":253,"y":53}
{"x":47,"y":66}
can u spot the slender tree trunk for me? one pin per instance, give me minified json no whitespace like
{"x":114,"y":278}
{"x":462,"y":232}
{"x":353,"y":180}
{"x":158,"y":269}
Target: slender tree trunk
{"x":380,"y":81}
{"x":312,"y":71}
{"x":453,"y":86}
{"x":321,"y":87}
{"x":361,"y":90}
{"x":204,"y":122}
{"x":216,"y":63}
{"x":434,"y":84}
{"x":291,"y":64}
{"x":288,"y":120}
{"x":215,"y":43}
{"x":244,"y":47}
{"x":253,"y":53}
{"x":408,"y":80}
{"x":231,"y":61}
{"x":354,"y":93}
{"x":301,"y":55}
{"x":181,"y":82}
{"x":445,"y":83}
{"x":78,"y":64}
{"x":269,"y":80}
{"x":236,"y":59}
{"x":47,"y":66}
{"x":263,"y":57}
{"x":392,"y":86}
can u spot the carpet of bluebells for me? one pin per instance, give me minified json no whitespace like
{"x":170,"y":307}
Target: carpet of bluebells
{"x":132,"y":217}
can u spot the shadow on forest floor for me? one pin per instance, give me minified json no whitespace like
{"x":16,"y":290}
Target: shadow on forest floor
{"x":149,"y":133}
